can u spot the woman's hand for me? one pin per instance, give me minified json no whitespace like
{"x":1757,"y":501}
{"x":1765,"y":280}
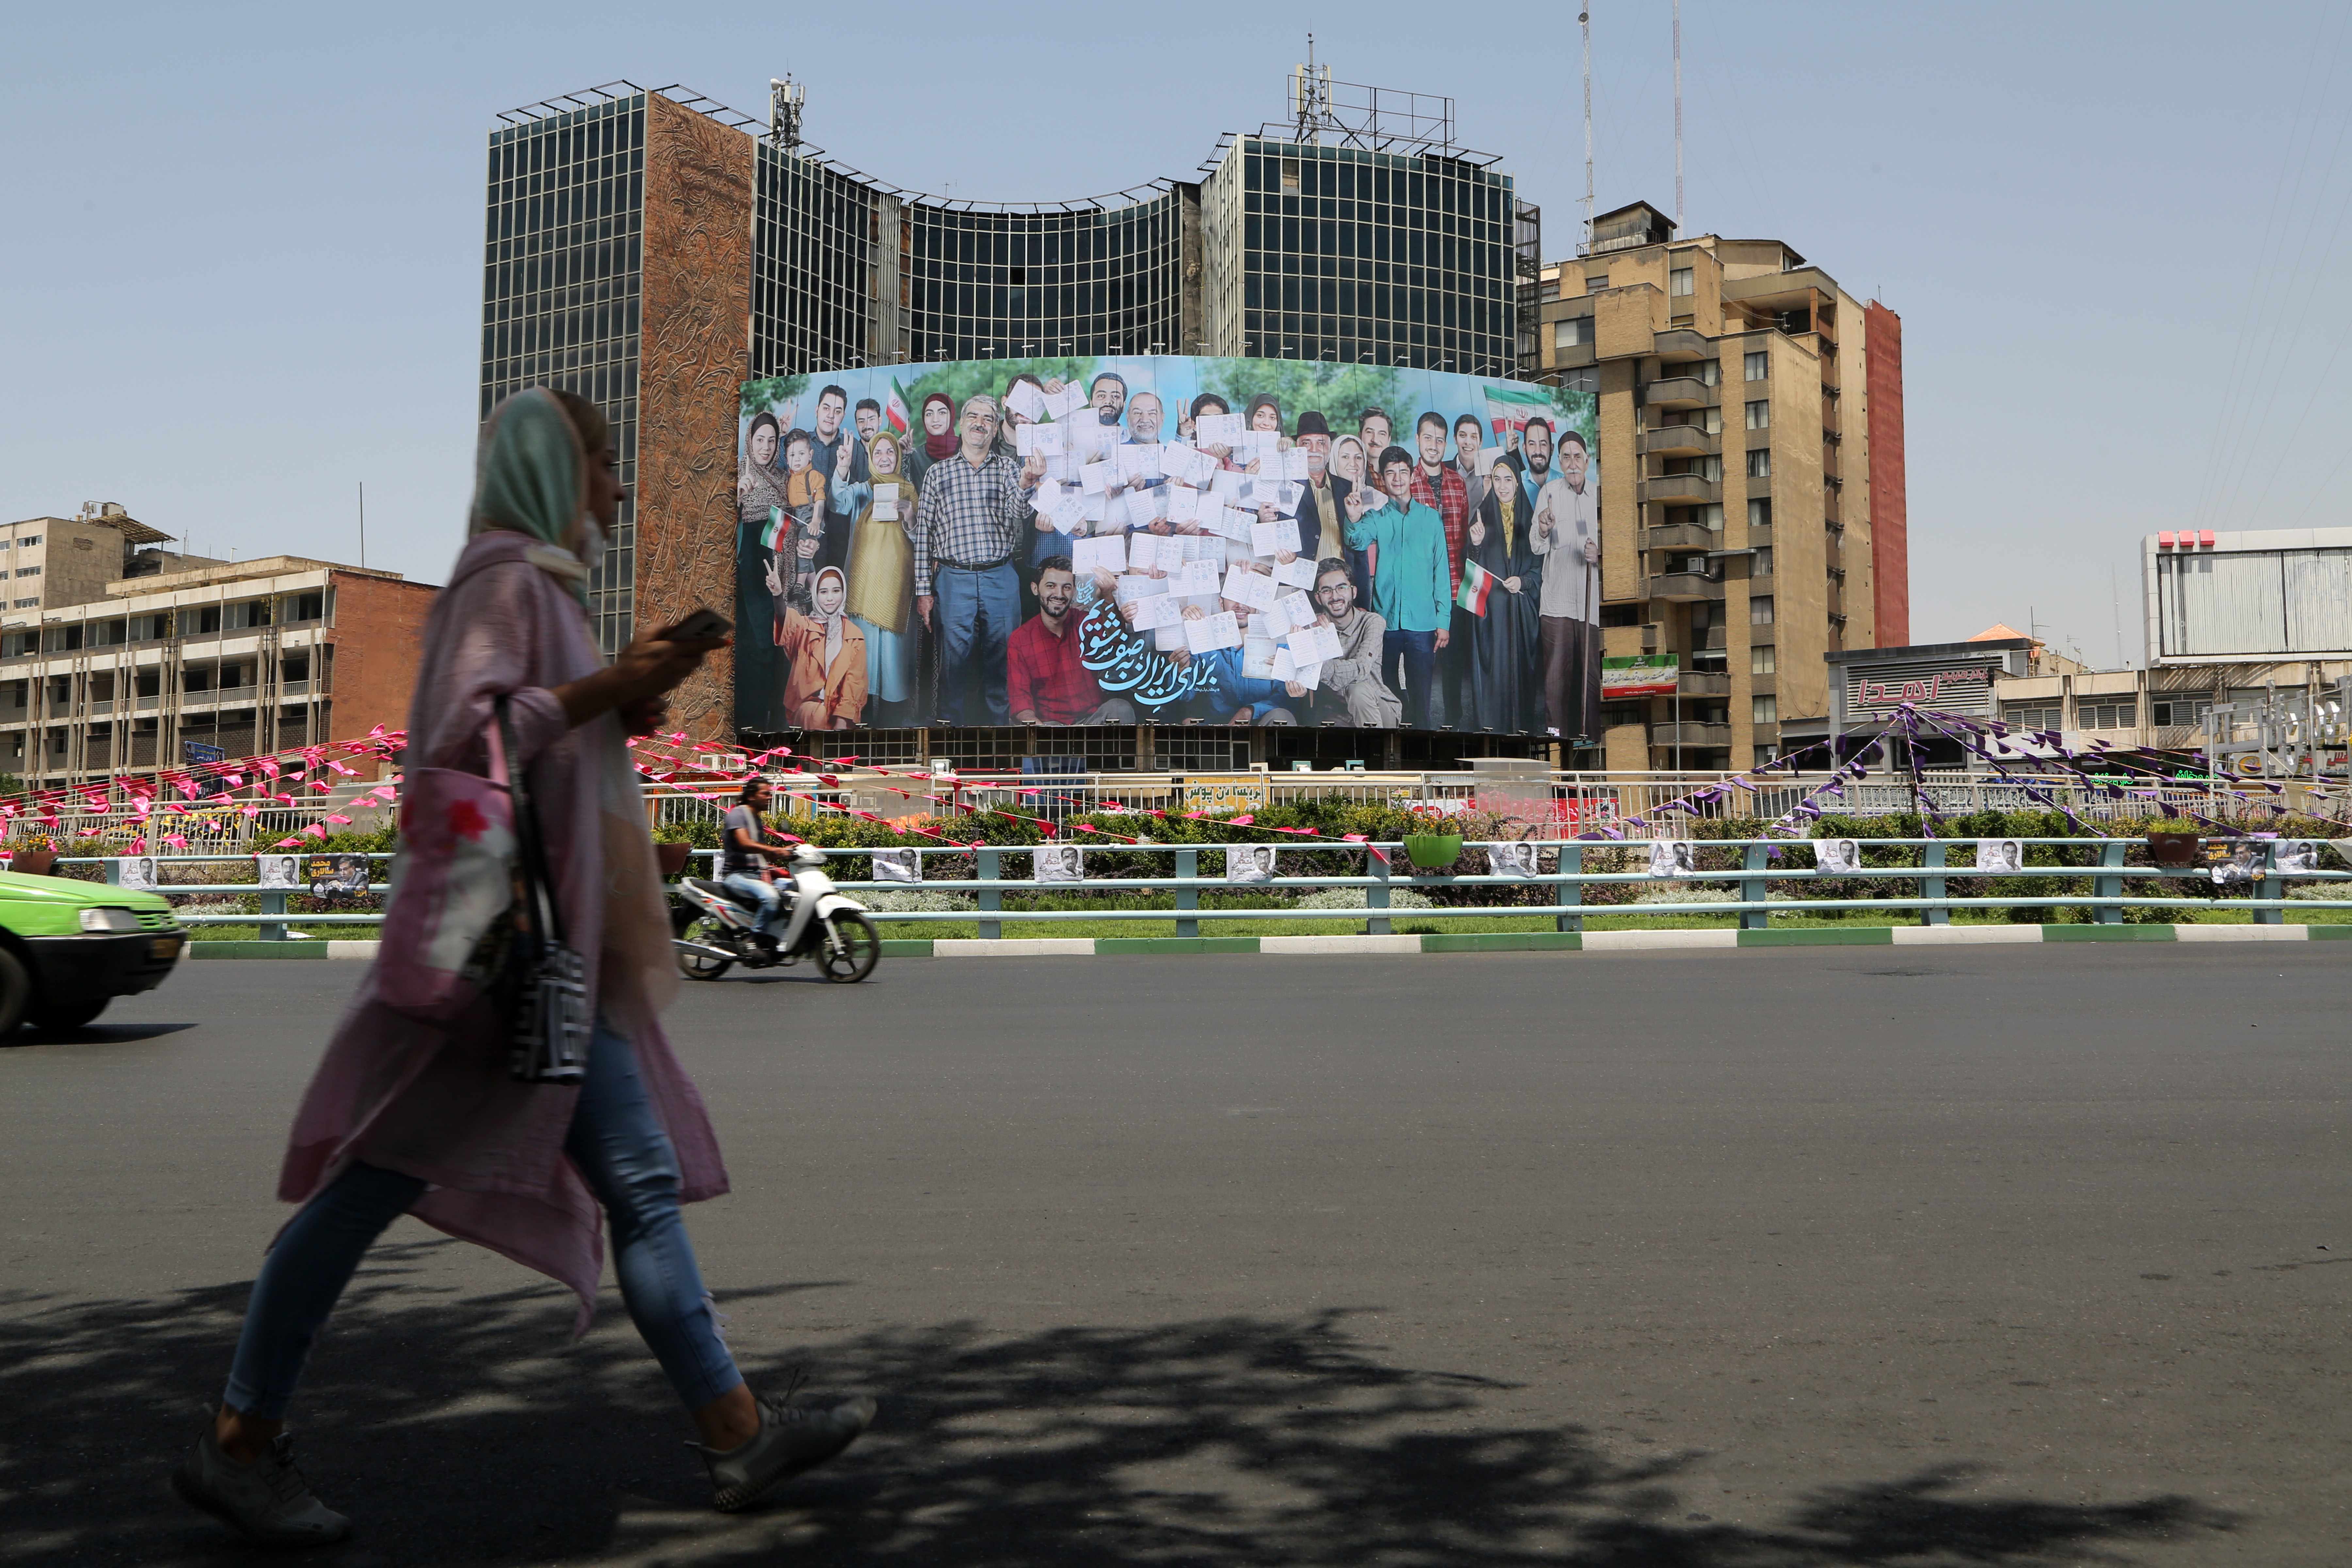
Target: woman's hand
{"x":644,"y":716}
{"x":1511,"y":584}
{"x":1477,"y":531}
{"x":641,"y":672}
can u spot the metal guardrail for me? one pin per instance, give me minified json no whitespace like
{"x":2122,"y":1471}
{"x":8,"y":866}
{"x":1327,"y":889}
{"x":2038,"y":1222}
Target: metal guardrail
{"x":2106,"y":900}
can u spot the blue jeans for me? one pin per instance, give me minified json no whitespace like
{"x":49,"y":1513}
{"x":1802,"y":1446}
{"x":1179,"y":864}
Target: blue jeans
{"x":977,"y":612}
{"x":770,"y":896}
{"x":1416,"y":653}
{"x":629,"y":1162}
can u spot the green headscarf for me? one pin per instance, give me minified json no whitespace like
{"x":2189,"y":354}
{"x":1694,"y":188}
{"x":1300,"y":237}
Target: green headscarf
{"x":530,"y":477}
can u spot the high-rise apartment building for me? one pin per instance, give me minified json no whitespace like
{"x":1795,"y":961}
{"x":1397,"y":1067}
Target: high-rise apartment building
{"x":1753,"y":507}
{"x":652,"y":250}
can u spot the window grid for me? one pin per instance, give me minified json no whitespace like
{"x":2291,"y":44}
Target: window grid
{"x":561,"y":283}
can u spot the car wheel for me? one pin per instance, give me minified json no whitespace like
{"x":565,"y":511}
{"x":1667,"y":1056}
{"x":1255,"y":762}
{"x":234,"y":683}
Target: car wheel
{"x":69,"y":1017}
{"x":16,"y":992}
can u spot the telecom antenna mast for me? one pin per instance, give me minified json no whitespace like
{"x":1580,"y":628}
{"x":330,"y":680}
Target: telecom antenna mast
{"x":1584,"y":20}
{"x":786,"y":98}
{"x":1310,"y":98}
{"x":1678,"y":114}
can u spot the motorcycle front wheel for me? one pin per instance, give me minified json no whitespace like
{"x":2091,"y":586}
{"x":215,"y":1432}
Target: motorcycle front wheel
{"x":690,"y":925}
{"x":850,"y":949}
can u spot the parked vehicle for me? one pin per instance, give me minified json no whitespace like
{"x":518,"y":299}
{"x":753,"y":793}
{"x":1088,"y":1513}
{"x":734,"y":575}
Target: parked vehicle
{"x":712,"y":927}
{"x":69,"y":948}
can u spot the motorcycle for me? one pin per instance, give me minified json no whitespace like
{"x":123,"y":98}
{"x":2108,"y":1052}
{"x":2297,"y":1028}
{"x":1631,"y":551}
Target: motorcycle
{"x":711,"y":927}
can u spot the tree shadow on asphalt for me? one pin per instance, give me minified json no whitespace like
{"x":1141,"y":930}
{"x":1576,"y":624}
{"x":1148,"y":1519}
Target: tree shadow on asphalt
{"x":467,"y":1429}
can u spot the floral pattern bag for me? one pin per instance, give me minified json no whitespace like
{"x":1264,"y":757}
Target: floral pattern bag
{"x":449,"y":920}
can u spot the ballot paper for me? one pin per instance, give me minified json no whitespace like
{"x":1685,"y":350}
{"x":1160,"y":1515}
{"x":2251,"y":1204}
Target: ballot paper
{"x":1170,"y":637}
{"x":1257,"y":657}
{"x":1139,"y":460}
{"x":1276,"y":537}
{"x":1184,"y":504}
{"x":885,"y":505}
{"x":1092,"y":477}
{"x":1271,"y":623}
{"x":1193,"y":578}
{"x":1313,"y":645}
{"x":1374,"y":498}
{"x":1142,"y":552}
{"x":1090,"y":508}
{"x":1296,"y":608}
{"x":1026,"y":399}
{"x":1227,"y":485}
{"x":1211,"y":633}
{"x":1154,"y":611}
{"x":1107,"y":554}
{"x":1047,"y":440}
{"x":1263,"y":447}
{"x":1218,"y":430}
{"x":1296,"y":464}
{"x":1025,"y":440}
{"x":1087,"y":434}
{"x":1117,"y":516}
{"x":1233,"y":522}
{"x":1069,"y":400}
{"x":1309,"y":676}
{"x":1069,"y":513}
{"x":1048,"y":492}
{"x":1243,"y":586}
{"x":1192,"y":467}
{"x":1487,"y":457}
{"x":1298,"y":574}
{"x":1285,"y":497}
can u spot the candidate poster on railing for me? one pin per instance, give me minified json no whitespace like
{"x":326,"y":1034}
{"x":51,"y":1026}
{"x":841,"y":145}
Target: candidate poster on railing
{"x":1164,"y":540}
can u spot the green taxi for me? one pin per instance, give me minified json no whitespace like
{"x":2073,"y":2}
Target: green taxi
{"x":67,"y":948}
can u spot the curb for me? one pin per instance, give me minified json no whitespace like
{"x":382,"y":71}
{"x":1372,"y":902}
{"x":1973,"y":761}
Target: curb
{"x":1466,"y":942}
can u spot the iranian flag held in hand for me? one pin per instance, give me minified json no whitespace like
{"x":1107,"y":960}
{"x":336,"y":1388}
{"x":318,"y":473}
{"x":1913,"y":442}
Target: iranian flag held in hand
{"x":1477,"y":584}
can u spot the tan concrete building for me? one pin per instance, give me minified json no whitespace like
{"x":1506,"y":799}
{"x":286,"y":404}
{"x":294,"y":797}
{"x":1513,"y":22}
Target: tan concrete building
{"x":1751,"y":458}
{"x":165,"y":659}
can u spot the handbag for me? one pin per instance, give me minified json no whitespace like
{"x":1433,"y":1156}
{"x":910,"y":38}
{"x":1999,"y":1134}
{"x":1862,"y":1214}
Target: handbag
{"x":447,"y":925}
{"x":553,"y":1020}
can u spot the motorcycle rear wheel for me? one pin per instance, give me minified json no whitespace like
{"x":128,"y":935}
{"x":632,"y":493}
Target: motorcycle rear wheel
{"x":690,"y":925}
{"x":849,"y":948}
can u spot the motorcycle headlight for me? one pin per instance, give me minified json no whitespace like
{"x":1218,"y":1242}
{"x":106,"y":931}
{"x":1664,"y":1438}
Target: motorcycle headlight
{"x":109,"y":920}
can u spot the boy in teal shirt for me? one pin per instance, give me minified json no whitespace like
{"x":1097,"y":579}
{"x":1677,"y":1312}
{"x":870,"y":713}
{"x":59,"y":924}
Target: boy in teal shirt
{"x":1412,"y":586}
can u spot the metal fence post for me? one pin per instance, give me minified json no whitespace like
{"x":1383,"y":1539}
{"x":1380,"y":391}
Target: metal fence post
{"x":1571,"y":864}
{"x":1932,"y":858}
{"x":1188,"y":897}
{"x":1757,"y":859}
{"x":2111,"y":853}
{"x":1376,"y":897}
{"x":273,"y":902}
{"x":2276,"y":914}
{"x":989,"y":898}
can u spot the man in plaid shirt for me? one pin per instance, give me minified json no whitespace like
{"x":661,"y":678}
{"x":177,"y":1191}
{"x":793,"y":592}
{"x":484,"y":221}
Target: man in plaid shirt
{"x":972,"y":515}
{"x":1436,"y":483}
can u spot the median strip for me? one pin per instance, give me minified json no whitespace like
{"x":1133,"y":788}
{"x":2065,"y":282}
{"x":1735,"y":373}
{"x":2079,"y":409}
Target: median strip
{"x":1463,"y":942}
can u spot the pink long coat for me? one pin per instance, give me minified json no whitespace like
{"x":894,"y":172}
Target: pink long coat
{"x":438,"y":1104}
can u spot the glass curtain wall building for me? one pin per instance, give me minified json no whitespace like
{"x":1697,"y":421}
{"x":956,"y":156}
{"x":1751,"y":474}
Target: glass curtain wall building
{"x":561,"y":285}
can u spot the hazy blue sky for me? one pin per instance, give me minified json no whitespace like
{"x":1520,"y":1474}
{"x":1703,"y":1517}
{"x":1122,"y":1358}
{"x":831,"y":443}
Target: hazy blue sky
{"x":243,"y":242}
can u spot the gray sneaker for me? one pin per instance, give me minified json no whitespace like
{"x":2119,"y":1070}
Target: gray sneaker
{"x":792,"y":1440}
{"x":267,"y":1500}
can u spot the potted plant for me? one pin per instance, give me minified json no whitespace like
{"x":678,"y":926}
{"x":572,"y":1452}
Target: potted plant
{"x":1432,"y":842}
{"x":2172,"y":848}
{"x":34,"y":857}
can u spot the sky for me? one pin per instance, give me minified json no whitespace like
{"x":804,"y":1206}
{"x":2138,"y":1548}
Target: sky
{"x":242,"y":262}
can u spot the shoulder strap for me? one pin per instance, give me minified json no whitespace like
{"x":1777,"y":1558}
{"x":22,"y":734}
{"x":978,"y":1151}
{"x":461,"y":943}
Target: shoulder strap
{"x":538,"y":887}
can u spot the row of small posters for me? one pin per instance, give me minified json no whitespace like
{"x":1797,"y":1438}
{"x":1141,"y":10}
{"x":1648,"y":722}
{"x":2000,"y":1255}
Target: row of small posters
{"x":2234,"y":863}
{"x":1251,"y":863}
{"x":323,"y":875}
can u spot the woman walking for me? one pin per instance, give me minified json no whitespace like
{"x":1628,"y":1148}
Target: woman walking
{"x":404,"y":1117}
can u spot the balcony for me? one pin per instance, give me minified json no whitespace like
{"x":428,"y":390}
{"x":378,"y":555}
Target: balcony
{"x":1687,"y":734}
{"x":1680,"y":488}
{"x":1680,"y":441}
{"x":1712,"y":640}
{"x":294,"y":688}
{"x":1678,"y":392}
{"x":1653,"y":635}
{"x":1706,"y":683}
{"x":1682,"y":536}
{"x":1682,"y":344}
{"x":1684,"y":587}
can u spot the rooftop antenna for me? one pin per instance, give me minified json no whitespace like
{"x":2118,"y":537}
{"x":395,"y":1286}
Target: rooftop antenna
{"x":1678,"y":114}
{"x":1310,"y":97}
{"x":786,"y":98}
{"x":1584,"y":20}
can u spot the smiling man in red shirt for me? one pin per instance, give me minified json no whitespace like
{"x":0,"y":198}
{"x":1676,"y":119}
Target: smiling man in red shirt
{"x":1045,"y":681}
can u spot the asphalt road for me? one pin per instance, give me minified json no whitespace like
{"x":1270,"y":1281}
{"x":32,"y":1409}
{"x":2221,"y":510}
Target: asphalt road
{"x":1743,"y":1259}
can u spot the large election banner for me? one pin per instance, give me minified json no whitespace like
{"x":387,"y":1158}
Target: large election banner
{"x":1165,"y":540}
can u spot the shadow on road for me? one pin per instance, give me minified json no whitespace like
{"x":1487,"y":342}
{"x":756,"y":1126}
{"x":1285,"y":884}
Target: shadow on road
{"x":92,"y":1034}
{"x":465,"y":1428}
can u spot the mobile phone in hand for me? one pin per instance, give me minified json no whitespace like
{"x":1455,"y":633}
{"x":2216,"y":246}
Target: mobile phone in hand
{"x":702,"y":622}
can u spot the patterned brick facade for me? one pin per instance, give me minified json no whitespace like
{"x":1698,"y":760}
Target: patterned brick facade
{"x":694,"y":359}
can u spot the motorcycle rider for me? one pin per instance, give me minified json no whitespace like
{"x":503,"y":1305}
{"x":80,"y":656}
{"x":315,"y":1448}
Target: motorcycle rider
{"x":744,"y":855}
